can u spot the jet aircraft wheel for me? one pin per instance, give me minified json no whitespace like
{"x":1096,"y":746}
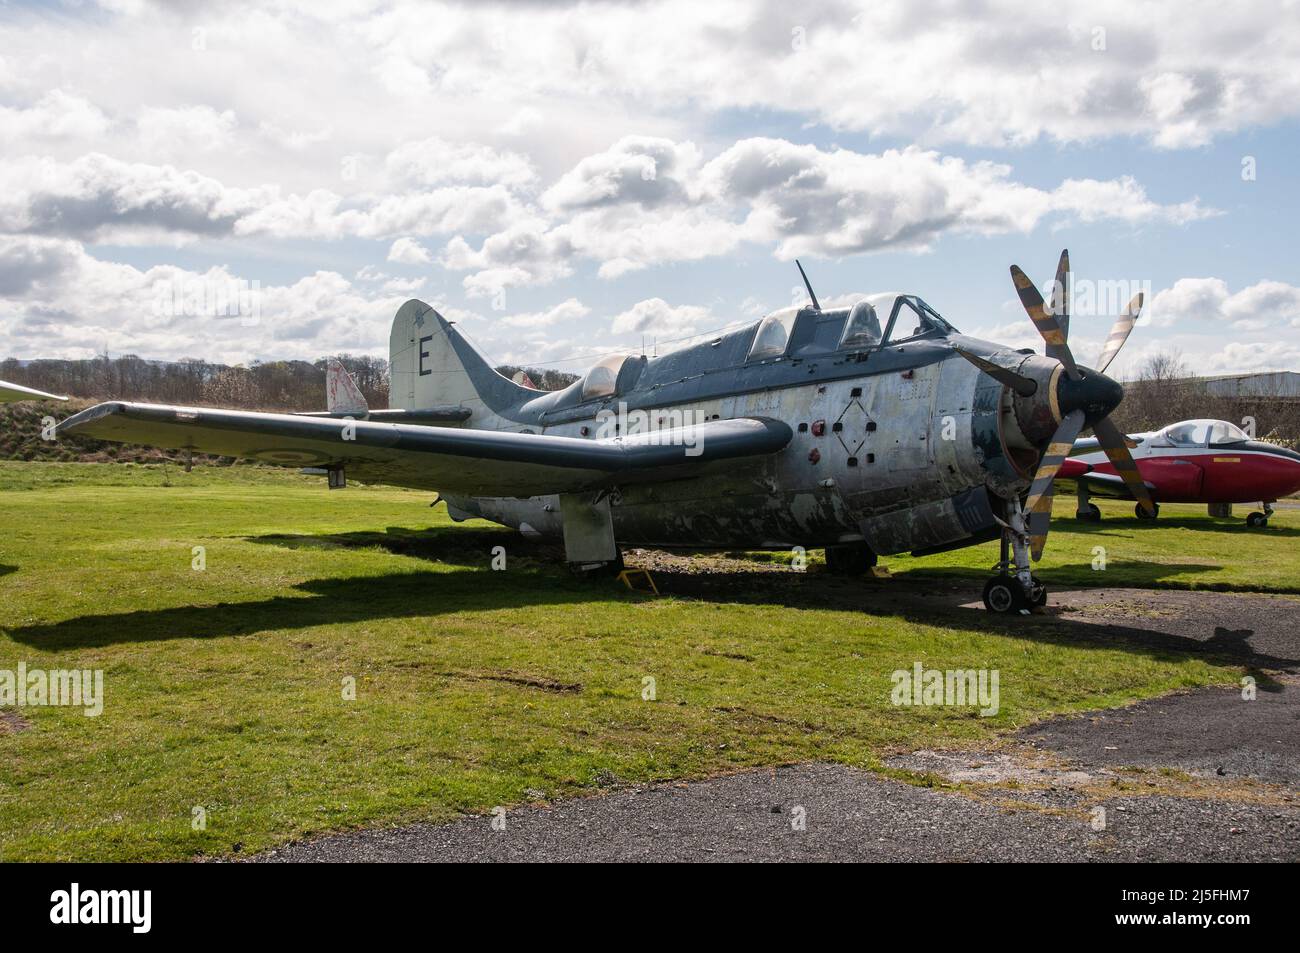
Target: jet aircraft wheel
{"x":1004,"y":595}
{"x":1257,"y":520}
{"x":1089,"y":514}
{"x":1144,"y":515}
{"x":851,"y":559}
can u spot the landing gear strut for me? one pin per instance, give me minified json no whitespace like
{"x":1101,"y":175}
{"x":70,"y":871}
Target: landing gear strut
{"x":1014,"y":590}
{"x":1086,"y":511}
{"x":1260,"y":520}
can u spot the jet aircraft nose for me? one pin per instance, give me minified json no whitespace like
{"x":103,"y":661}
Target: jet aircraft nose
{"x":1094,"y":393}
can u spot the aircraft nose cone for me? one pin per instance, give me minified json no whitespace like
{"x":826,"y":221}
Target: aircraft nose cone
{"x":1094,"y":393}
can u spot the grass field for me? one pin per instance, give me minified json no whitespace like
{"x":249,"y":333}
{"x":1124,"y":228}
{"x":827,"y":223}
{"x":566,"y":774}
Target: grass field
{"x":224,"y":687}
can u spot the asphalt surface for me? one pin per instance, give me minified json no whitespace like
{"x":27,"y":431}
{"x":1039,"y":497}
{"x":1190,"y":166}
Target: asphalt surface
{"x":848,"y":815}
{"x":1213,"y":732}
{"x":1202,"y":775}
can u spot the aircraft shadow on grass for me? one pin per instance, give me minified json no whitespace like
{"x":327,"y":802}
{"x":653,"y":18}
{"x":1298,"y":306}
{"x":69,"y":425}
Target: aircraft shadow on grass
{"x":1122,"y":574}
{"x":1130,"y":527}
{"x":532,"y":579}
{"x":329,"y":601}
{"x":6,"y":570}
{"x":453,"y":546}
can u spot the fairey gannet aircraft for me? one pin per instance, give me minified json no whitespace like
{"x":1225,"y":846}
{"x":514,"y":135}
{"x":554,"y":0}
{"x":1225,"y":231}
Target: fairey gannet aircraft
{"x":9,"y":393}
{"x":867,"y":430}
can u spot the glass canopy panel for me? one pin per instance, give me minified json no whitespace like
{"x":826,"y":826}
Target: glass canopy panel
{"x":862,"y":329}
{"x":602,"y":379}
{"x":773,"y":335}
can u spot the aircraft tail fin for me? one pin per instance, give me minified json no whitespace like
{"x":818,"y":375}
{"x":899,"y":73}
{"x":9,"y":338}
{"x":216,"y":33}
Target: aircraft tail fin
{"x":342,"y":395}
{"x":432,"y":364}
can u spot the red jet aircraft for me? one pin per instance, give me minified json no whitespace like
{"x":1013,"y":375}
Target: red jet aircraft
{"x":1194,"y":461}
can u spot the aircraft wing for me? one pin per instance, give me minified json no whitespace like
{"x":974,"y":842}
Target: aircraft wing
{"x":1106,"y":485}
{"x":1092,"y":444}
{"x":451,"y":460}
{"x":12,"y":392}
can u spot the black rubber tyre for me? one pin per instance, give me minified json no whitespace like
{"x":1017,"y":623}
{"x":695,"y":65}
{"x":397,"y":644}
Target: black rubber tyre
{"x":1040,"y":593}
{"x":1004,"y":595}
{"x":1090,"y":514}
{"x":1257,"y":520}
{"x":1143,"y":515}
{"x":851,"y":559}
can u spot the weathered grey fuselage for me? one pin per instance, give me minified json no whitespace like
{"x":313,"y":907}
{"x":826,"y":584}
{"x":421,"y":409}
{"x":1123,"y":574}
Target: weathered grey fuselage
{"x":907,"y":446}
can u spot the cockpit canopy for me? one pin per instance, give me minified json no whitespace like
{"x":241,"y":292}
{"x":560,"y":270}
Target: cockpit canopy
{"x":773,"y":335}
{"x":611,"y":375}
{"x":863,"y":328}
{"x":1199,"y":433}
{"x":871,"y":321}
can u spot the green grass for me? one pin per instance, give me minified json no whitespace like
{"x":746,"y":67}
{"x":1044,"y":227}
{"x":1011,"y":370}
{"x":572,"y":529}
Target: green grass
{"x":224,"y":686}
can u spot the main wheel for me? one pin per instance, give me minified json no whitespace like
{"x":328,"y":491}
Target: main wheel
{"x":851,"y":559}
{"x":1089,"y":514}
{"x":1144,"y":515}
{"x":1039,"y":597}
{"x":1257,"y":520}
{"x":1003,"y":594}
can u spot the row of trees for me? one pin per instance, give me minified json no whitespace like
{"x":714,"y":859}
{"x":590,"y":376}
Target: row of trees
{"x":1165,"y":392}
{"x":262,"y":385}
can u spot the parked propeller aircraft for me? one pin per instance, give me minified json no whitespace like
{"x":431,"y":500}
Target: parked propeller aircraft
{"x":867,"y":430}
{"x":10,"y":393}
{"x":1193,"y":461}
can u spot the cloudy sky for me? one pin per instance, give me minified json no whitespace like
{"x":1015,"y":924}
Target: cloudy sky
{"x":273,"y":181}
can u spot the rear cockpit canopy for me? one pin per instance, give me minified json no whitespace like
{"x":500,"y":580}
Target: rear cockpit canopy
{"x":602,"y":379}
{"x":773,"y":335}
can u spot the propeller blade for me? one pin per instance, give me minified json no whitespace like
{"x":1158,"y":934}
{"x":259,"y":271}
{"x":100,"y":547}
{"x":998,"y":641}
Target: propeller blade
{"x":1022,"y":385}
{"x":1048,"y":327}
{"x":1119,"y":332}
{"x":1039,"y":505}
{"x":1113,"y":442}
{"x":1060,"y":303}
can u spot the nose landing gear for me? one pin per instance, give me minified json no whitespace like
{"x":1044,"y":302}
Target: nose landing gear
{"x":1014,"y":590}
{"x":1260,"y":520}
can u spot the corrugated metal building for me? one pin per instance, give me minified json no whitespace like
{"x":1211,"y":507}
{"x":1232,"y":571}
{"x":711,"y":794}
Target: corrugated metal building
{"x":1280,"y":384}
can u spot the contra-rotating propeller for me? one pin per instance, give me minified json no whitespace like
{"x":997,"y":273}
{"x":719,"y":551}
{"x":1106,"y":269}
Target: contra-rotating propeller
{"x":1083,"y":397}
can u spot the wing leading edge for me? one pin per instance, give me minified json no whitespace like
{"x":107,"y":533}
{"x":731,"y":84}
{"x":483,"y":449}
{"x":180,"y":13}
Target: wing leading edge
{"x":15,"y":392}
{"x":453,"y":460}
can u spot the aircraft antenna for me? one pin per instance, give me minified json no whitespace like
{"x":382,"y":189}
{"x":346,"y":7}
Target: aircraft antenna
{"x":808,"y":285}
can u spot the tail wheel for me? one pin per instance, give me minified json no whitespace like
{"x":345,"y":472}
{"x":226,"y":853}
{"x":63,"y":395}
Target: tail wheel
{"x":1004,"y":595}
{"x":1256,"y":520}
{"x":1144,"y":515}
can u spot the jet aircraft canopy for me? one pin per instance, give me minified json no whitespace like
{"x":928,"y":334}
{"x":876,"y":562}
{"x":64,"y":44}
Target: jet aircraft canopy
{"x":1199,"y":433}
